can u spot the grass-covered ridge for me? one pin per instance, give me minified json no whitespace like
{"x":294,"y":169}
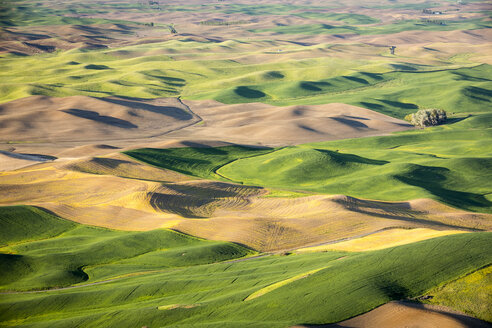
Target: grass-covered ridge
{"x":452,"y":164}
{"x":213,"y":295}
{"x":24,"y":224}
{"x":201,"y":162}
{"x":45,"y":251}
{"x":395,"y":93}
{"x":178,"y":68}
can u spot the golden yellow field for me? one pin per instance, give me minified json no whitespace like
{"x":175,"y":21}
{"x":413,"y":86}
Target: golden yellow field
{"x":381,"y":239}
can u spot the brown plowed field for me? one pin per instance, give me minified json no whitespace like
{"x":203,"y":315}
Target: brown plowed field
{"x":120,"y":193}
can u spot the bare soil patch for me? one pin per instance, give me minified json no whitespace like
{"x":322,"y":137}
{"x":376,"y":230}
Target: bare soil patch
{"x":257,"y":123}
{"x":409,"y":314}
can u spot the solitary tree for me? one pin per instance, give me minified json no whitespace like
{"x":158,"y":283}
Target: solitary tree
{"x":392,"y":49}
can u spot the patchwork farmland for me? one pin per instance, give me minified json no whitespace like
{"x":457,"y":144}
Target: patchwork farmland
{"x":244,"y":164}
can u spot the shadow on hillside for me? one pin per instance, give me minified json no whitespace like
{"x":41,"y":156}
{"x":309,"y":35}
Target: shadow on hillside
{"x":206,"y":150}
{"x":12,"y":267}
{"x":477,"y":93}
{"x":345,"y":158}
{"x":314,"y":86}
{"x":375,"y":76}
{"x":97,"y":67}
{"x":174,"y":112}
{"x":168,"y":80}
{"x":371,"y":106}
{"x":399,"y":104}
{"x":357,"y":117}
{"x":456,"y":119}
{"x":392,"y":289}
{"x":274,"y":75}
{"x":96,"y":117}
{"x":465,"y":77}
{"x":432,"y":178}
{"x":402,"y":67}
{"x":28,"y":157}
{"x":350,"y":122}
{"x":356,"y":79}
{"x":401,"y":213}
{"x":249,"y":93}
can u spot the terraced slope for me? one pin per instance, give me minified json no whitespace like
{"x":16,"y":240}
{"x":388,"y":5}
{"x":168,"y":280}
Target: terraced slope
{"x":213,"y":294}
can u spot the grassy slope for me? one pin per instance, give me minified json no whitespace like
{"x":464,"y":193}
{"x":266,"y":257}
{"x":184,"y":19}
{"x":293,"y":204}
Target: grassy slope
{"x":22,"y":224}
{"x":470,"y":294}
{"x":395,"y":93}
{"x":202,"y":162}
{"x":381,"y":85}
{"x":451,"y":163}
{"x":450,"y":166}
{"x":45,"y":251}
{"x":344,"y":288}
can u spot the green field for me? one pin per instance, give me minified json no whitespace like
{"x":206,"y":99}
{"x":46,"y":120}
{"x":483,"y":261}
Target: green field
{"x":211,"y":295}
{"x":154,"y":70}
{"x":469,"y":294}
{"x":450,"y":163}
{"x":202,"y":162}
{"x":395,"y":93}
{"x":44,"y":251}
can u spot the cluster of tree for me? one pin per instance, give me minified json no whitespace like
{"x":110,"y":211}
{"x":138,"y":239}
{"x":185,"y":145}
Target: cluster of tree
{"x":427,"y":117}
